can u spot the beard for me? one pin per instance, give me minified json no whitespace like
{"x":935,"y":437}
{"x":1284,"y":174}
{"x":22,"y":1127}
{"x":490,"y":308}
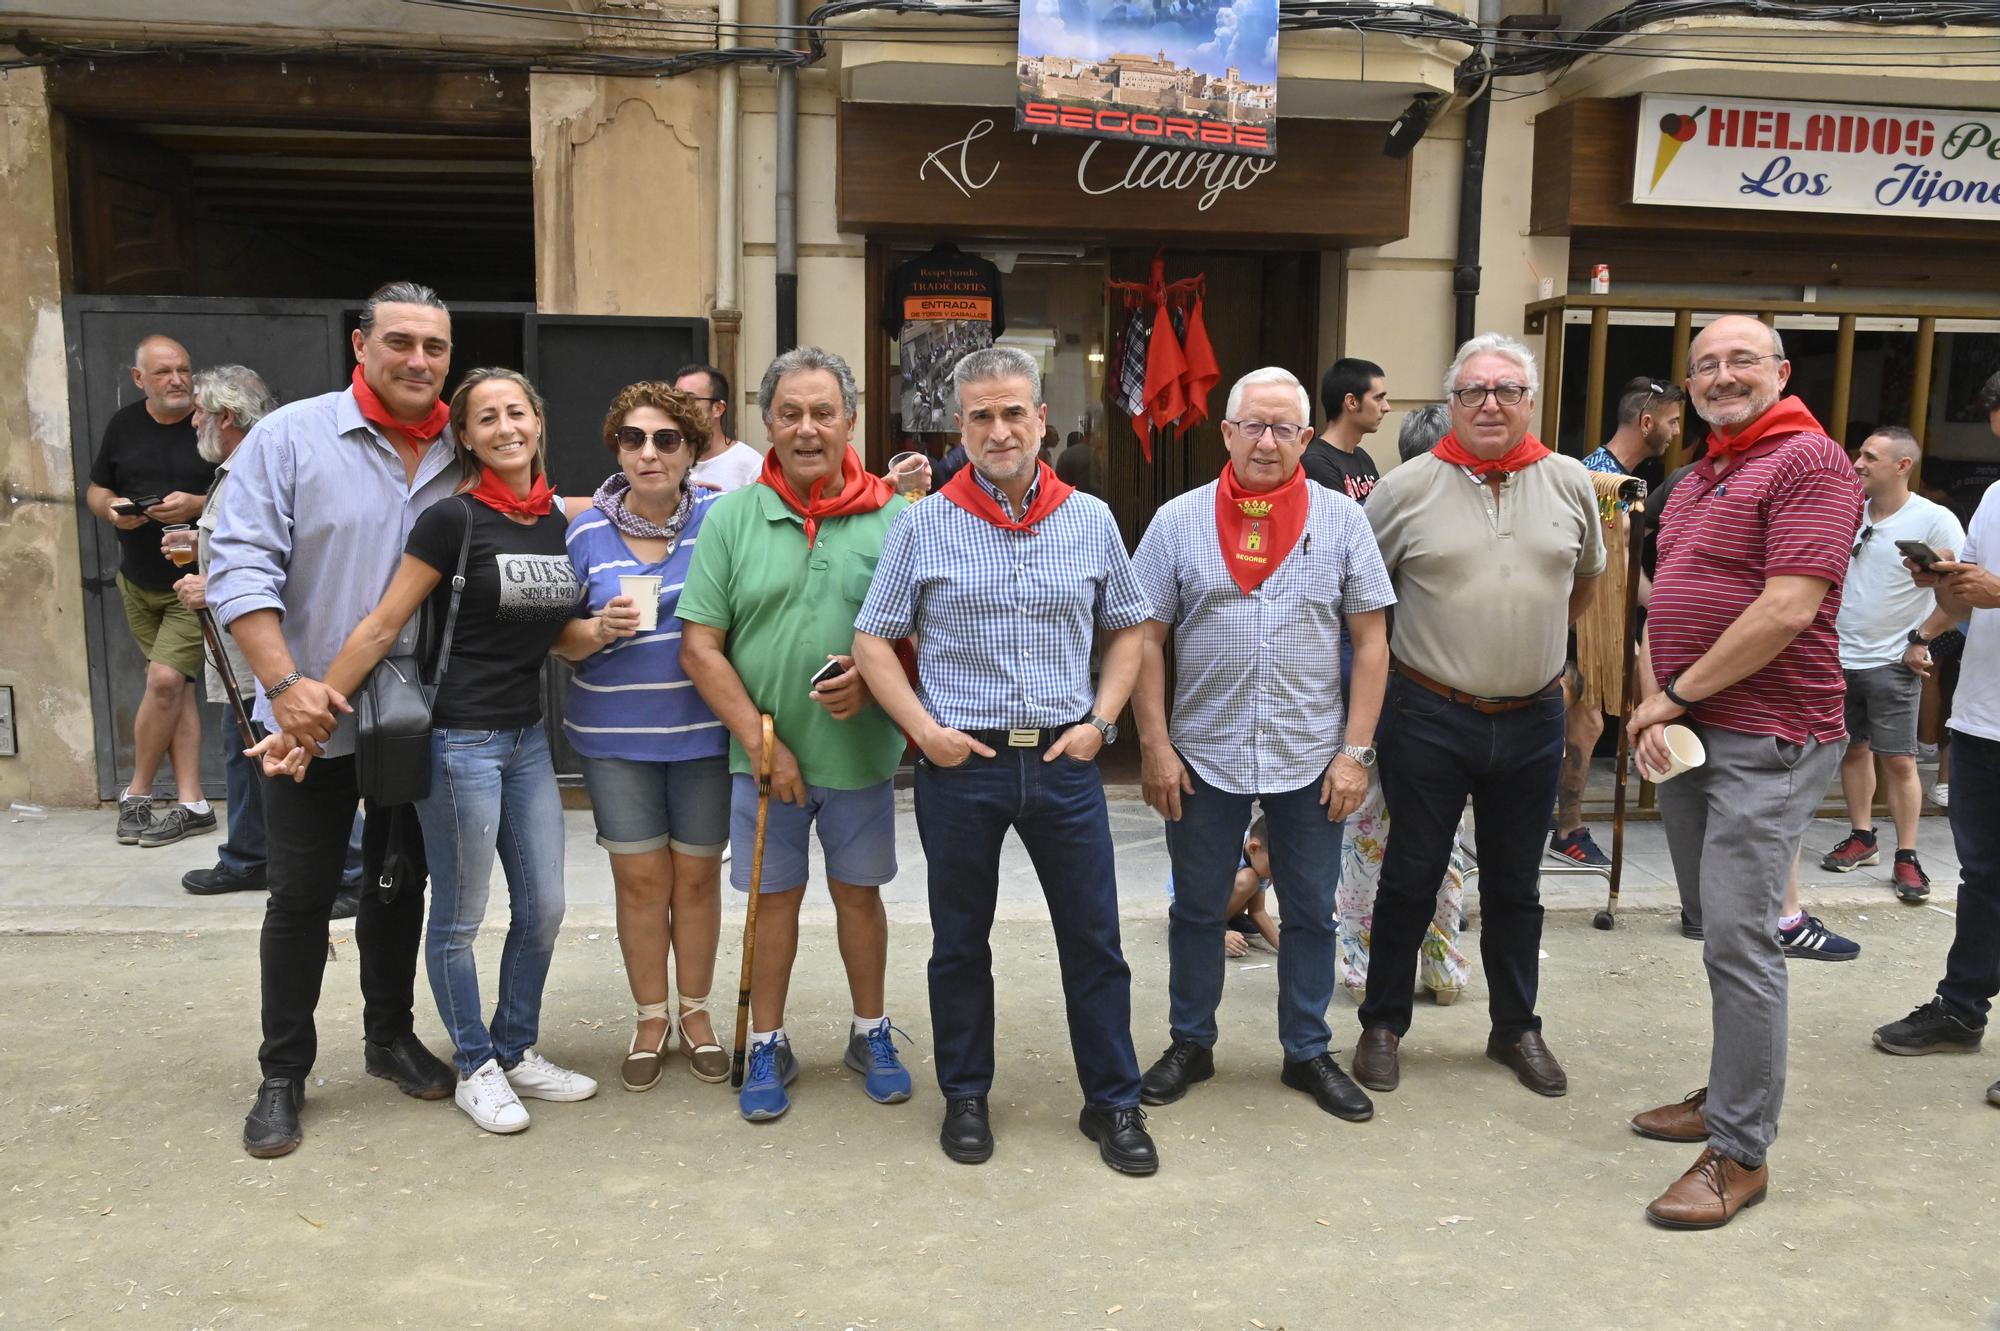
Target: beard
{"x":1736,"y":410}
{"x":208,"y":441}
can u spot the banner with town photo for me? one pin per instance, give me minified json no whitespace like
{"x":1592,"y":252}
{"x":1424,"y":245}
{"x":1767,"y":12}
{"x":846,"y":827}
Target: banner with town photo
{"x":1179,"y":74}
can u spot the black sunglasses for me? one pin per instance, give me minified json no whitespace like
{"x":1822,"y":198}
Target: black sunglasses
{"x":631,"y":439}
{"x":1861,"y":540}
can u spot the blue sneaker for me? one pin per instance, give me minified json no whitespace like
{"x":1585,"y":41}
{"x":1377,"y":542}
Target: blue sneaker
{"x":772,"y":1069}
{"x":1579,"y":847}
{"x":884,"y":1078}
{"x":1810,"y":940}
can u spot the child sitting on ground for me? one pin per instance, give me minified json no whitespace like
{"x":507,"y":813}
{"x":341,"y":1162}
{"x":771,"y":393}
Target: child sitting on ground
{"x":1249,"y":917}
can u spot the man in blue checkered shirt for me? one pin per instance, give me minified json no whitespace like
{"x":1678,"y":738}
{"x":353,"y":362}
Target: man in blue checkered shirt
{"x":1254,"y":574}
{"x":1004,"y":576}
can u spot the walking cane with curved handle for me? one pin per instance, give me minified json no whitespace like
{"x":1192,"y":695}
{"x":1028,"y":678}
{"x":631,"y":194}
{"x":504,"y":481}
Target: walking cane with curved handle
{"x":736,"y":1060}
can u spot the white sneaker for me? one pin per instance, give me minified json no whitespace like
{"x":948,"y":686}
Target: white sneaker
{"x":1941,"y":794}
{"x":538,"y":1079}
{"x":490,"y":1102}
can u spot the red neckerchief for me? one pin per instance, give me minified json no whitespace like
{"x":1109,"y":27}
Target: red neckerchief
{"x":859,"y":492}
{"x":969,"y":495}
{"x":1787,"y":415}
{"x":420,"y":433}
{"x":1258,"y":529}
{"x":1518,"y":458}
{"x":498,"y":496}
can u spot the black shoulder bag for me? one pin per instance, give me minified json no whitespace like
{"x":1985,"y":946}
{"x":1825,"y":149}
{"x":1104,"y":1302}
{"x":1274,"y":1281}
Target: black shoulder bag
{"x":392,"y":751}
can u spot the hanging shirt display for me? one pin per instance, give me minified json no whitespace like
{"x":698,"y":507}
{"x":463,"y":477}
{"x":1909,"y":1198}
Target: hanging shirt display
{"x":939,"y":306}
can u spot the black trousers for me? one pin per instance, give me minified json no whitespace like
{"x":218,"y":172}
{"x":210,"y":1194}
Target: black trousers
{"x":307,"y":824}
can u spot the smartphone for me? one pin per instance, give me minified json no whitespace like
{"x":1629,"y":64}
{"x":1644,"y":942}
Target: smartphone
{"x":1919,"y":554}
{"x":827,"y":673}
{"x":135,"y":508}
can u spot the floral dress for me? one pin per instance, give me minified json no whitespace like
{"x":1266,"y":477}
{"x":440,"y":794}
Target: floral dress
{"x":1441,"y":967}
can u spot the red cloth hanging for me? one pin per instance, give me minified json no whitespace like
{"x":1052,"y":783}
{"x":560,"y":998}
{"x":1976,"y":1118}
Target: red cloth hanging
{"x":1202,"y":372}
{"x":1165,"y":401}
{"x":1165,"y":368}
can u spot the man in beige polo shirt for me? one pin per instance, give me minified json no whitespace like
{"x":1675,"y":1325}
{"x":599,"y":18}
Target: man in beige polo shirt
{"x":1493,"y":545}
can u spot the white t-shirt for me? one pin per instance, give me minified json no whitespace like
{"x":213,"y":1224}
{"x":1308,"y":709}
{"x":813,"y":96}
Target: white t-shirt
{"x":733,"y":468}
{"x":1879,"y":604}
{"x":1975,"y":709}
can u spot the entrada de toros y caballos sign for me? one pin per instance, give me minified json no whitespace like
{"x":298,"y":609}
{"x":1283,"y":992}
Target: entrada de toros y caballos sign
{"x":1821,"y":157}
{"x":964,"y":170}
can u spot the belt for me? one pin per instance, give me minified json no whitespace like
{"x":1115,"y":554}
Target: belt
{"x":1485,"y":706}
{"x":1021,"y":737}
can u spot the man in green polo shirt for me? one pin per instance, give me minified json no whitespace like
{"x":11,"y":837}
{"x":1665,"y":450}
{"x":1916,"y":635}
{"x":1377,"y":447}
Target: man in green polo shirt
{"x":780,"y":571}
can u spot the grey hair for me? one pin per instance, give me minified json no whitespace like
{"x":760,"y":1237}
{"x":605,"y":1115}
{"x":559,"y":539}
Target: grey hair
{"x":800,"y":359}
{"x":1270,"y":374}
{"x":148,"y":340}
{"x":990,"y":363}
{"x":1422,"y":429}
{"x":236,"y":389}
{"x":1495,"y":344}
{"x":396,"y":293}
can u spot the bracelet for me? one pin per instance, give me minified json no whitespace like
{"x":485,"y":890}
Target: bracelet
{"x":1675,"y":698}
{"x":283,"y":684}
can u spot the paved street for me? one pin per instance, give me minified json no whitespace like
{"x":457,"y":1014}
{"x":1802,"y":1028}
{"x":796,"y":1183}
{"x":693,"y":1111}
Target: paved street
{"x":129,"y":1061}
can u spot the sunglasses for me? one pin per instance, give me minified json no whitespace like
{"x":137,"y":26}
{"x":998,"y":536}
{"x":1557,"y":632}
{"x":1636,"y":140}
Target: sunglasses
{"x":631,"y":439}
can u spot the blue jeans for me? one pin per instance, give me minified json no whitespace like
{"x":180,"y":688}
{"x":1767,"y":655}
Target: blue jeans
{"x":1206,"y":846}
{"x":1057,"y":808}
{"x":243,"y":782}
{"x":1436,"y":753}
{"x":493,"y":795}
{"x":1972,"y":968}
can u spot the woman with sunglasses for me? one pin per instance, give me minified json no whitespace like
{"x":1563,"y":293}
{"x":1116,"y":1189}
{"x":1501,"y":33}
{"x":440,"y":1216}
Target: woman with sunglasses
{"x":654,"y":757}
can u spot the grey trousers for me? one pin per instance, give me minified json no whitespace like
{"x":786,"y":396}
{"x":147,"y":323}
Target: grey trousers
{"x":1733,"y":828}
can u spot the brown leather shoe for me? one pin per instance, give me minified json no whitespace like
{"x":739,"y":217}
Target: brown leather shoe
{"x":1532,"y":1062}
{"x":1710,"y":1194}
{"x":1686,"y":1121}
{"x":1375,"y":1059}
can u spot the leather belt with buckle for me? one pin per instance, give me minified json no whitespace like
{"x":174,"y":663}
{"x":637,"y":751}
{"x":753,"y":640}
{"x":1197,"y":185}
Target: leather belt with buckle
{"x":1021,"y":737}
{"x":1484,"y":706}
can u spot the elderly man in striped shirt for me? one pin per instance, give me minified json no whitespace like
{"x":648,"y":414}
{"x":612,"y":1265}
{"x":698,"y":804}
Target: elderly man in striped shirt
{"x":1254,"y":574}
{"x":1741,"y":646}
{"x":1004,"y":576}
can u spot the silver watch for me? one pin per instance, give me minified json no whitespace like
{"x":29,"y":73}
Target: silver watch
{"x":1108,"y":729}
{"x":1361,"y":753}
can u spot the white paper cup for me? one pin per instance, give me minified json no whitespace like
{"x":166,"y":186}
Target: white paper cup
{"x":1684,"y":749}
{"x":645,"y":589}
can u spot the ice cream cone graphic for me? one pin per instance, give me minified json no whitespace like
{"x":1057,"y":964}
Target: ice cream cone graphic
{"x":1674,"y":131}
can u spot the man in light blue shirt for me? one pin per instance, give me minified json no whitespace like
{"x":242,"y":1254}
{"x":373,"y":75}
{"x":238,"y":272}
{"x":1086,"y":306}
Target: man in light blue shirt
{"x":1005,"y":575}
{"x":309,"y":530}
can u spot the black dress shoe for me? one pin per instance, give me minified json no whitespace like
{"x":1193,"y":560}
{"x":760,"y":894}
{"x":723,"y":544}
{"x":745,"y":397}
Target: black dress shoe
{"x":216,"y":881}
{"x":1121,"y":1138}
{"x":1532,"y":1062}
{"x":1181,"y":1066}
{"x":966,"y":1135}
{"x":1322,"y":1079}
{"x":347,"y":904}
{"x":272,"y":1127}
{"x":415,"y":1069}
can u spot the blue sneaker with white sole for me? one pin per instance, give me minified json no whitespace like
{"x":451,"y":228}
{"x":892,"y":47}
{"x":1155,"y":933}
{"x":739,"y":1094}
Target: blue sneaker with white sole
{"x":884,"y":1078}
{"x":772,"y":1069}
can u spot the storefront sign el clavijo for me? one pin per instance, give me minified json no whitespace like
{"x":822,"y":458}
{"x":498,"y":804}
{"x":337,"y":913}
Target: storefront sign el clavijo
{"x":922,"y":170}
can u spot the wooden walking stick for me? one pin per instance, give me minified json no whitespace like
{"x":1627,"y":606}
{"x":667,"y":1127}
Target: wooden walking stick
{"x":736,"y":1060}
{"x":211,"y":632}
{"x":1635,"y":543}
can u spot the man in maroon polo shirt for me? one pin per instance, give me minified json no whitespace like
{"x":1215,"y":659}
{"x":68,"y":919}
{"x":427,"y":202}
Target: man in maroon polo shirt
{"x":1741,"y":647}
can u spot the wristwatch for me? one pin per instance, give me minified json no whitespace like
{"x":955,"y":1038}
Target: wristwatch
{"x":1108,"y":729}
{"x":1917,"y":638}
{"x":1361,"y":753}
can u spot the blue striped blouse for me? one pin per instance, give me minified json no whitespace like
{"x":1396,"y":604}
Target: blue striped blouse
{"x":631,"y":699}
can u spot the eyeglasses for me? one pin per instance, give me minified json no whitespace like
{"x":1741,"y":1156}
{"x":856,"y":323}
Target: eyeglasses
{"x":631,"y":439}
{"x":1473,"y":396}
{"x":1861,"y":540}
{"x":1708,"y":369}
{"x":1283,"y":432}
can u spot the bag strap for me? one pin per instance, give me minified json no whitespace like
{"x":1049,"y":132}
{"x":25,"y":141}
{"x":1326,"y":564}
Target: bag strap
{"x":457,"y":589}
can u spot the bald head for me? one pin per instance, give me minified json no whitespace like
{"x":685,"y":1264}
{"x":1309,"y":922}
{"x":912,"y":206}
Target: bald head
{"x":1736,"y":371}
{"x":162,"y":371}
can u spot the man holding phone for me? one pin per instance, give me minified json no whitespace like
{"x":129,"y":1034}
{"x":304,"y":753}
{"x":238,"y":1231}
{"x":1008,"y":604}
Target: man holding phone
{"x":149,"y":473}
{"x":1968,"y":590}
{"x":1886,"y":625}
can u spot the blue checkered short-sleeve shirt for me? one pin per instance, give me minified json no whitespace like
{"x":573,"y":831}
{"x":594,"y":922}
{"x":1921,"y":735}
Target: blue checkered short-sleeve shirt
{"x":1004,"y":620}
{"x":1257,"y":701}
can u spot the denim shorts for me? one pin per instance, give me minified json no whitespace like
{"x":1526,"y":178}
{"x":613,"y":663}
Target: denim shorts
{"x":640,"y":807}
{"x":857,"y":835}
